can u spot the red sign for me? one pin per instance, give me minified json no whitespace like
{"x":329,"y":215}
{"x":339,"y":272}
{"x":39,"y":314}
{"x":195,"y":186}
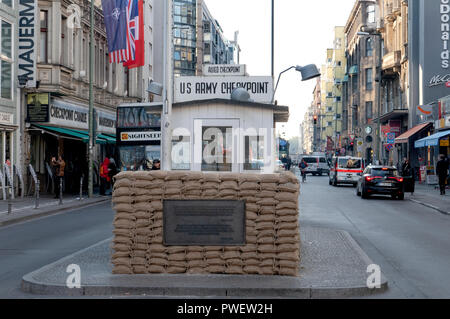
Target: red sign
{"x":447,"y":84}
{"x":395,"y":126}
{"x":385,"y":129}
{"x":389,"y":147}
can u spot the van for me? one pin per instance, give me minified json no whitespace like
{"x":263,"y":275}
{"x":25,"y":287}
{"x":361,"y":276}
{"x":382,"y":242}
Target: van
{"x":346,"y":170}
{"x":317,"y":165}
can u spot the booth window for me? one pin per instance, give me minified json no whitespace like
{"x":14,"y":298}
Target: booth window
{"x":216,"y":151}
{"x":181,"y":153}
{"x":254,"y":153}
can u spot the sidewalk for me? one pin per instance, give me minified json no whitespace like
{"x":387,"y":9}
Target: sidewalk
{"x":24,"y":209}
{"x":428,"y":195}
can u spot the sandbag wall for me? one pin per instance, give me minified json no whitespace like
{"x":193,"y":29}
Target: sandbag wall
{"x":272,"y":230}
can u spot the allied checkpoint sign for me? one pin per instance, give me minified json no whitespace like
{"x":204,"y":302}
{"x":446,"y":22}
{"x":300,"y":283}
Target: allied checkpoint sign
{"x":191,"y":88}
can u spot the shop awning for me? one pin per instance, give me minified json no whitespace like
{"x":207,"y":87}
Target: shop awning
{"x":432,"y":140}
{"x":408,"y":134}
{"x":81,"y":135}
{"x":353,"y":70}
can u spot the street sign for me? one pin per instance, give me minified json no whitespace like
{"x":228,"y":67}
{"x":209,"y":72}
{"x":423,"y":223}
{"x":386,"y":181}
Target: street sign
{"x":389,"y":147}
{"x":390,"y":138}
{"x":359,"y":144}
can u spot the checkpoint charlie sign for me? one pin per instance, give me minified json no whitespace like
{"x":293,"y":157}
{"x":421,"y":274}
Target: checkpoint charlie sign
{"x":224,"y":69}
{"x":191,"y":88}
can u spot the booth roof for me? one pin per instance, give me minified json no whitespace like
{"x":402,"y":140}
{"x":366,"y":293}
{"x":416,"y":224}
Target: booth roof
{"x":281,"y":113}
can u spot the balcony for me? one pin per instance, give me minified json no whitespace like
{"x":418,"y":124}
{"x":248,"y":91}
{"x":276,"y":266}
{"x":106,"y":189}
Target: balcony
{"x":392,"y":60}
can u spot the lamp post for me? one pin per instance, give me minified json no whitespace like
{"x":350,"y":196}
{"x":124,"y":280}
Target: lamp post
{"x":308,"y":72}
{"x":91,"y":105}
{"x":379,"y":66}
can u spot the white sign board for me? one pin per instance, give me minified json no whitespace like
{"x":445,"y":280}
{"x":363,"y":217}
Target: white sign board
{"x":75,"y":116}
{"x":140,"y":136}
{"x":6,"y":118}
{"x":27,"y":36}
{"x":224,"y":69}
{"x":191,"y":88}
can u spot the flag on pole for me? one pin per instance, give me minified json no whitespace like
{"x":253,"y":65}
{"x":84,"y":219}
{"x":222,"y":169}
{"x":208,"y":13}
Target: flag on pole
{"x":115,"y":17}
{"x":124,"y":21}
{"x":135,"y":34}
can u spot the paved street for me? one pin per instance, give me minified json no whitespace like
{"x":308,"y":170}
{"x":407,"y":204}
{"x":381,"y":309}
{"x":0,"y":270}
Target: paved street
{"x":409,"y":241}
{"x":30,"y":245}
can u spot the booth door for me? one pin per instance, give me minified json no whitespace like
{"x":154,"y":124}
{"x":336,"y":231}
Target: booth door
{"x":215,"y":145}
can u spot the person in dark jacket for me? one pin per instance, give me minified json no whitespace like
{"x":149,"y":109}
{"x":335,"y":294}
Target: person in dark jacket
{"x":442,"y":172}
{"x":408,"y":175}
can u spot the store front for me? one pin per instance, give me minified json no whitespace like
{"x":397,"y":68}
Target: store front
{"x":58,"y":127}
{"x":139,"y":135}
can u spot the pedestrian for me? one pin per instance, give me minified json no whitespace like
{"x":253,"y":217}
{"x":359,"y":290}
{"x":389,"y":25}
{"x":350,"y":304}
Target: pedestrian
{"x":408,"y":176}
{"x":288,"y":163}
{"x":156,"y":165}
{"x":442,"y":172}
{"x":104,"y":176}
{"x":60,"y":166}
{"x":112,"y":171}
{"x":303,"y":165}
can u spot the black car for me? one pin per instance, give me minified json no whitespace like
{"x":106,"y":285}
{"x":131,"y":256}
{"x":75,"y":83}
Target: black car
{"x":383,"y":180}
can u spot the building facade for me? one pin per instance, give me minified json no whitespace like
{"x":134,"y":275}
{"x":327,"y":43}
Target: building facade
{"x":198,"y":39}
{"x":57,"y":109}
{"x":360,"y":92}
{"x":10,"y":132}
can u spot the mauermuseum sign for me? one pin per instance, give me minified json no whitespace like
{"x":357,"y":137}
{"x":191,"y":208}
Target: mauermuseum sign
{"x":191,"y":88}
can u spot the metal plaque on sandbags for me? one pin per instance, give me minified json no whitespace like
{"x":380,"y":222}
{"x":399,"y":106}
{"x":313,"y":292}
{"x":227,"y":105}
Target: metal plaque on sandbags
{"x":204,"y":222}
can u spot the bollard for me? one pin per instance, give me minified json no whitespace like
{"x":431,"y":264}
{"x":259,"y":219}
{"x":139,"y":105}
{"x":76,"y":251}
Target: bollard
{"x":36,"y":206}
{"x":60,"y":190}
{"x":9,"y":202}
{"x":81,"y":188}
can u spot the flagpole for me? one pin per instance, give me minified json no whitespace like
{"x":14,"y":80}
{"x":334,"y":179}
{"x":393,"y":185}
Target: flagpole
{"x":91,"y":105}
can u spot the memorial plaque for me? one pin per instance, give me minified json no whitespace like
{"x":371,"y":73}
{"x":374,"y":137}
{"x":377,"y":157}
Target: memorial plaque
{"x":204,"y":222}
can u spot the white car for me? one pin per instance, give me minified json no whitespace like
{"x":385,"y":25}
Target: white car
{"x":346,"y":170}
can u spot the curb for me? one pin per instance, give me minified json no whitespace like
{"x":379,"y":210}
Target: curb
{"x":293,"y":290}
{"x":53,"y":211}
{"x":430,"y":206}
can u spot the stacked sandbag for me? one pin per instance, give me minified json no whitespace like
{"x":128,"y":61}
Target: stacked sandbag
{"x":272,"y":232}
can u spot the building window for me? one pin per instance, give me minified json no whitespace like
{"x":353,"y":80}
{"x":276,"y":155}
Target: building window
{"x":369,"y":112}
{"x":369,"y":47}
{"x":371,"y":14}
{"x":369,"y":79}
{"x":217,"y":152}
{"x":354,"y":83}
{"x":6,"y":65}
{"x":64,"y":51}
{"x":43,"y":58}
{"x":9,"y":3}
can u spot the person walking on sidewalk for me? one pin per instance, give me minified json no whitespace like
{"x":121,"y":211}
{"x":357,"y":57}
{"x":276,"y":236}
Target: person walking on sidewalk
{"x":442,"y":172}
{"x":112,"y":171}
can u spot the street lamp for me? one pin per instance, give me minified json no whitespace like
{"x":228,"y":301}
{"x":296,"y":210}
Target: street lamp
{"x":308,"y":72}
{"x":380,"y":63}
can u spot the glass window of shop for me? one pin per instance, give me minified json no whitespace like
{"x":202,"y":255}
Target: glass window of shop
{"x":6,"y":61}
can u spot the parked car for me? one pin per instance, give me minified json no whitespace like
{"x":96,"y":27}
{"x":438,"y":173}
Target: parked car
{"x":317,"y":165}
{"x":279,"y":166}
{"x":383,"y":180}
{"x":346,"y":170}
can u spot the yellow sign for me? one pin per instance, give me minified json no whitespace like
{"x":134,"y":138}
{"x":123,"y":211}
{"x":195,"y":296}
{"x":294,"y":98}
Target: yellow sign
{"x":445,"y":143}
{"x":124,"y":137}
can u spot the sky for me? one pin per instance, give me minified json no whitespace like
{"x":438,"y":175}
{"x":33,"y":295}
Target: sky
{"x":304,"y":29}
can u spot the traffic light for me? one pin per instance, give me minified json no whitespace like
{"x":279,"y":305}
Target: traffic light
{"x":315,"y":119}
